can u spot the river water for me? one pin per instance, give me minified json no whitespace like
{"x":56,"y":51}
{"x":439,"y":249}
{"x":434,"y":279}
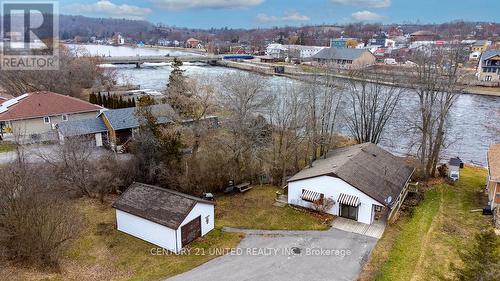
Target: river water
{"x":469,"y":125}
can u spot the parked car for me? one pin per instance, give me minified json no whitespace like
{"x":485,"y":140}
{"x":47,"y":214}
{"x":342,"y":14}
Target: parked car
{"x":454,"y":176}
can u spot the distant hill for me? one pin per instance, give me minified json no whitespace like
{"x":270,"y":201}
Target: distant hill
{"x":71,"y":26}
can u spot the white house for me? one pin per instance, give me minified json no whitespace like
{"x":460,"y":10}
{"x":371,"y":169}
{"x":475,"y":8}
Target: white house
{"x":163,"y":217}
{"x":365,"y":182}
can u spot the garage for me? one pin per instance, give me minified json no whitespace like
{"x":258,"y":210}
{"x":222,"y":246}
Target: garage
{"x":163,"y":217}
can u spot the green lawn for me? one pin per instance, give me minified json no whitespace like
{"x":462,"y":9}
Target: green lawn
{"x":254,"y":209}
{"x":421,"y":246}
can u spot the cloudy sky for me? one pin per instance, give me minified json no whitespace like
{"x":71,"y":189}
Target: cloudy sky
{"x":266,"y":13}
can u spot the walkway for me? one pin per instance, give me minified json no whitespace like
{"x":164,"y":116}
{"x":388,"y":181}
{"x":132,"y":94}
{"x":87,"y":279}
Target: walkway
{"x":374,"y":230}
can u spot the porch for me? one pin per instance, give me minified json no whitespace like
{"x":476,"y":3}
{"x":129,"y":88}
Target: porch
{"x":375,"y":230}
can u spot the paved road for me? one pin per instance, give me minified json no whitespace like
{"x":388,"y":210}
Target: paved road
{"x":245,"y":264}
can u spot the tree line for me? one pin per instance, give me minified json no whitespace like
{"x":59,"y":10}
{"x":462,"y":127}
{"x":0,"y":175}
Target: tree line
{"x":111,"y":101}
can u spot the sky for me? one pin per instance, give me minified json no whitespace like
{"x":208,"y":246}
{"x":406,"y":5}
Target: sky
{"x":269,"y":13}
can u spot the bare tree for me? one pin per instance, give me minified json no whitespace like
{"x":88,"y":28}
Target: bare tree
{"x":73,"y":164}
{"x":244,"y":99}
{"x":371,"y":105}
{"x":323,"y":101}
{"x":437,"y":83}
{"x":287,"y":121}
{"x":36,"y":224}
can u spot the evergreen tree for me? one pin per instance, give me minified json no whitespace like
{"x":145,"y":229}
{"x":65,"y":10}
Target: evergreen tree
{"x":481,"y":262}
{"x":105,"y":101}
{"x":120,"y":103}
{"x":99,"y":99}
{"x":92,"y":98}
{"x":133,"y":102}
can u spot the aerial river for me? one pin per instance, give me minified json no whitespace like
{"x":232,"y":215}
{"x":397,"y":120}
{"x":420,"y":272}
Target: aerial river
{"x":470,"y":122}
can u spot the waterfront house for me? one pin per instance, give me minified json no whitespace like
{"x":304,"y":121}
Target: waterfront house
{"x":163,"y":217}
{"x":489,"y":66}
{"x":33,"y":116}
{"x":347,"y":58}
{"x":365,"y":182}
{"x":493,"y":181}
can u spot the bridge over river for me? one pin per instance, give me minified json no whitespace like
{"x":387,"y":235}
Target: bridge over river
{"x":138,"y":60}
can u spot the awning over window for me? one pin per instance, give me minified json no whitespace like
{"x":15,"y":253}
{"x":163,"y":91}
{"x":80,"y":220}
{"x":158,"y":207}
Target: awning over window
{"x":350,"y":200}
{"x":310,"y":195}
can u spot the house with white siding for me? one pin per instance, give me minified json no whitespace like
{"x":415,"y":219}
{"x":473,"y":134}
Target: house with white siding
{"x":163,"y":217}
{"x":365,"y":182}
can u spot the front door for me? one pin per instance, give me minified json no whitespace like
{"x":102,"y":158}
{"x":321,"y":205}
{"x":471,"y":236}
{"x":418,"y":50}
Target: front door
{"x":191,"y":231}
{"x":349,"y":212}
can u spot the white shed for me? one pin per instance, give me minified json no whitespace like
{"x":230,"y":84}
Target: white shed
{"x":364,"y":182}
{"x":163,"y":217}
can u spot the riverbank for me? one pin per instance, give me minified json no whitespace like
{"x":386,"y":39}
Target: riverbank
{"x":303,"y":73}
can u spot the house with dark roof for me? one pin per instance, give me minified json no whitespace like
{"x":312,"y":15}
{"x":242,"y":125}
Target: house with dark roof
{"x":365,"y":182}
{"x":115,"y":127}
{"x":489,"y":66}
{"x":34,"y":116}
{"x":163,"y":217}
{"x":347,"y":58}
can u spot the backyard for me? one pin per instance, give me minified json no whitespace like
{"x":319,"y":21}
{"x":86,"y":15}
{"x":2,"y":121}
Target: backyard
{"x":103,"y":253}
{"x":422,"y":244}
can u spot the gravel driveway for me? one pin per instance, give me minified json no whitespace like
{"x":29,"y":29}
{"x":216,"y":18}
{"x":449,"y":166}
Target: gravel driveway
{"x":267,"y":255}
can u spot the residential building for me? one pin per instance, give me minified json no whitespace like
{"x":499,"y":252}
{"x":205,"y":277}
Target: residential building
{"x":33,"y":116}
{"x":117,"y":39}
{"x":276,"y":51}
{"x":302,"y":52}
{"x":345,"y":58}
{"x":163,"y":217}
{"x":192,"y":43}
{"x":423,"y":35}
{"x":480,"y":46}
{"x":343,"y":43}
{"x":489,"y":66}
{"x":365,"y":183}
{"x":114,"y":128}
{"x":493,"y":181}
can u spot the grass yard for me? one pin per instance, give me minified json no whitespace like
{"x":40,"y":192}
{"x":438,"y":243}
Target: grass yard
{"x":422,"y":245}
{"x":6,"y":147}
{"x":254,"y":209}
{"x":103,"y":253}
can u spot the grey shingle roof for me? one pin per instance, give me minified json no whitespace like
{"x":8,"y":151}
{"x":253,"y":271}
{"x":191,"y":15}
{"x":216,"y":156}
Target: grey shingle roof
{"x":159,"y":205}
{"x":82,"y":127}
{"x":125,"y":118}
{"x":339,"y":53}
{"x":489,"y":54}
{"x":367,"y":167}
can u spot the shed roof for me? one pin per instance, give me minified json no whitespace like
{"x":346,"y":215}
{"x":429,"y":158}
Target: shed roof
{"x":340,"y":53}
{"x":494,"y":162}
{"x":82,"y":127}
{"x":367,"y":167}
{"x":488,"y":54}
{"x":125,"y":118}
{"x":160,"y":205}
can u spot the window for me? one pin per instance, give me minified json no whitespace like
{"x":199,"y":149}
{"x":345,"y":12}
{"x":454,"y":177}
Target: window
{"x":46,"y":120}
{"x":64,"y":117}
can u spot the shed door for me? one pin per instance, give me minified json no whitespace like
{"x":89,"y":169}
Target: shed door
{"x":191,"y":231}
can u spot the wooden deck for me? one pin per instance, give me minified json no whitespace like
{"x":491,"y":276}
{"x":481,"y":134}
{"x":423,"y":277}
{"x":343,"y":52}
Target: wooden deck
{"x":375,"y":229}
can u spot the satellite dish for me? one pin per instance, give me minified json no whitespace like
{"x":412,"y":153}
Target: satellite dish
{"x":389,"y":199}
